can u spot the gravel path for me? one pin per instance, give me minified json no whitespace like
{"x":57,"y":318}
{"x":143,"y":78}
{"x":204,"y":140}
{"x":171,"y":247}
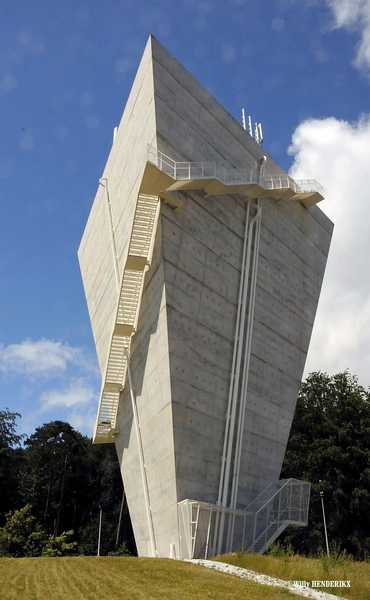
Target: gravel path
{"x":307,"y":592}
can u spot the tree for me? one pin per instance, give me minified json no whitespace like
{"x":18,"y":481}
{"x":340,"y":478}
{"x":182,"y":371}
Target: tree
{"x":65,"y":479}
{"x":11,"y":457}
{"x":106,"y":492}
{"x":57,"y":477}
{"x":8,"y":436}
{"x":329,"y":446}
{"x":22,"y":535}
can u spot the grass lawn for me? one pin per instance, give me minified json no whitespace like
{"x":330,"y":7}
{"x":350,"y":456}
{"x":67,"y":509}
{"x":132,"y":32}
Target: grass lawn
{"x":110,"y":578}
{"x":89,"y":577}
{"x":293,"y":568}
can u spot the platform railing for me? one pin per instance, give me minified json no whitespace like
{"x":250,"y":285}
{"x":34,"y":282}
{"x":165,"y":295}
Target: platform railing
{"x":187,"y":171}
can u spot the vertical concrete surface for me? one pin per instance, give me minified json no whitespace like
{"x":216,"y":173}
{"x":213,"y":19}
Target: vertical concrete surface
{"x":181,"y":353}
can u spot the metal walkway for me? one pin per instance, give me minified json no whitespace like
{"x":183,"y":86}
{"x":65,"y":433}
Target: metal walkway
{"x":128,"y":307}
{"x":215,"y":180}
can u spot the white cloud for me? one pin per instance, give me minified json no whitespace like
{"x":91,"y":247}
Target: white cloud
{"x":336,"y":154}
{"x":43,"y":357}
{"x":354,"y":15}
{"x":83,"y":421}
{"x":50,"y":378}
{"x":76,"y":394}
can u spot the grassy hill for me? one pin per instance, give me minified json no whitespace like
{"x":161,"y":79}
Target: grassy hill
{"x":85,"y":578}
{"x":110,"y":578}
{"x":293,"y":568}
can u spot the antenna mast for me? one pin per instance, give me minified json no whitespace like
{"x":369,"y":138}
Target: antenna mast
{"x":258,"y":135}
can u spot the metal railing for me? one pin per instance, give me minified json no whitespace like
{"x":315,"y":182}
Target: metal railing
{"x":282,"y":503}
{"x":288,"y":505}
{"x":188,"y":171}
{"x":128,"y":305}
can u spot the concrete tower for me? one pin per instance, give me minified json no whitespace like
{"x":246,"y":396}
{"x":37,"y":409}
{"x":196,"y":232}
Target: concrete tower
{"x":202,"y":262}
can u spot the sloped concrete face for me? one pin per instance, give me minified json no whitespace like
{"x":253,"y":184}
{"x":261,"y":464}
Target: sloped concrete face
{"x":202,"y":247}
{"x":203,"y":254}
{"x":123,"y":172}
{"x":181,"y":353}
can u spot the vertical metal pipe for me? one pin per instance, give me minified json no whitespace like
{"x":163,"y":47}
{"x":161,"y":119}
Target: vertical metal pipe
{"x":141,"y":461}
{"x":99,"y":534}
{"x":323,"y":516}
{"x":237,"y":367}
{"x":111,"y":232}
{"x":245,"y":371}
{"x":220,"y":518}
{"x":196,"y":531}
{"x":236,"y":340}
{"x":208,"y":531}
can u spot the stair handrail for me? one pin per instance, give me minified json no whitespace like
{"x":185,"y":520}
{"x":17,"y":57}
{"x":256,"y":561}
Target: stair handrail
{"x":277,"y":520}
{"x":284,"y":482}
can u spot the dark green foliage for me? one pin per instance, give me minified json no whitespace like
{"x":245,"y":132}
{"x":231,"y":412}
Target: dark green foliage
{"x":89,"y":537}
{"x":22,"y":535}
{"x":329,"y":446}
{"x":56,"y":477}
{"x":60,"y":545}
{"x":11,"y":458}
{"x":8,"y":436}
{"x":64,"y":478}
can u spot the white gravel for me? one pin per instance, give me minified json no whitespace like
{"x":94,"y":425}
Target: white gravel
{"x":307,"y":592}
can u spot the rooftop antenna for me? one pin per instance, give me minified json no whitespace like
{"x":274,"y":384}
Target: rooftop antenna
{"x":258,"y":135}
{"x":243,"y":119}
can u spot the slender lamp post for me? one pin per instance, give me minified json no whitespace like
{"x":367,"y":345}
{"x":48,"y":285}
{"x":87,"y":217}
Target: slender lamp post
{"x":99,"y":535}
{"x":323,"y":516}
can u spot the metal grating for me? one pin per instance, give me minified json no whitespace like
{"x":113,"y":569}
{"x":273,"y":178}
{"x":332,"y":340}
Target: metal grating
{"x":128,"y":306}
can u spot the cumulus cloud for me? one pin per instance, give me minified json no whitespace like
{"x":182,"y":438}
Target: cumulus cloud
{"x":83,"y":421}
{"x":336,"y":153}
{"x":76,"y":394}
{"x":40,"y":358}
{"x":354,"y":15}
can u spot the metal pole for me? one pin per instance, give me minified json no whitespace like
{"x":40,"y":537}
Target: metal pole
{"x":208,"y":531}
{"x":99,"y":535}
{"x":323,"y":516}
{"x":141,"y":461}
{"x":111,"y":232}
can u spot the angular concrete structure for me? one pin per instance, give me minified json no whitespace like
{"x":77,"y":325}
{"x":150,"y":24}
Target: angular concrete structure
{"x":202,"y":263}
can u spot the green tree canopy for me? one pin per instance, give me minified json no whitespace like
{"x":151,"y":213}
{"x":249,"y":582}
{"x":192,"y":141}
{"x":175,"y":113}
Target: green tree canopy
{"x":329,"y":446}
{"x":64,"y":480}
{"x":11,"y":457}
{"x":8,"y":435}
{"x":57,"y":475}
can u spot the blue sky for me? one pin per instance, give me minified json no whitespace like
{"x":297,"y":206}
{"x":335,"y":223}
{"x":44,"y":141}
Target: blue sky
{"x":301,"y":67}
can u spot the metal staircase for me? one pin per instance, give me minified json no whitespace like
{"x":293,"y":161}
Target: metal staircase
{"x":288,"y":505}
{"x":128,"y":306}
{"x":172,"y":176}
{"x":282,"y":503}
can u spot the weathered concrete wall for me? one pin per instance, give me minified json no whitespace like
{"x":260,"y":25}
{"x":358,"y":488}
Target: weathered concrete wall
{"x":151,"y":380}
{"x":292,"y":258}
{"x":202,"y":251}
{"x":123,"y":171}
{"x":182,"y":351}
